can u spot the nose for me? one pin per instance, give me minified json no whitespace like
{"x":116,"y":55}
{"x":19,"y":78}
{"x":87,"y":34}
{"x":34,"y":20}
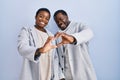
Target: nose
{"x":44,"y":20}
{"x":59,"y":23}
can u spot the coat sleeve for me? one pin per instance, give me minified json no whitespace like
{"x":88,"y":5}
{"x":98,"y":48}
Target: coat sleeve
{"x":84,"y":34}
{"x":24,"y":48}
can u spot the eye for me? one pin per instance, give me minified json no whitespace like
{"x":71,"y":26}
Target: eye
{"x":57,"y":21}
{"x":62,"y":19}
{"x":47,"y":19}
{"x":40,"y":16}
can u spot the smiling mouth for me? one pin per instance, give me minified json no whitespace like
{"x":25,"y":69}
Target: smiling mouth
{"x":62,"y":25}
{"x":42,"y":23}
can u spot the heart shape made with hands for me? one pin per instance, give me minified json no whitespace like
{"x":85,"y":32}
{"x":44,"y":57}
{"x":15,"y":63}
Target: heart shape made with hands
{"x":66,"y":39}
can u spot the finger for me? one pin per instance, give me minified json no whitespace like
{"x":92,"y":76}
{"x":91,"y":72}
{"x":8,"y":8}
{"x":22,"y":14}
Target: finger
{"x":60,"y":44}
{"x":58,"y":34}
{"x":53,"y":46}
{"x":50,"y":38}
{"x":64,"y":35}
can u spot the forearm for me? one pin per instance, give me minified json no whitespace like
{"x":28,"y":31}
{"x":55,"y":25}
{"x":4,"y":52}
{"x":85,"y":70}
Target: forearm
{"x":83,"y":36}
{"x":38,"y":52}
{"x":27,"y":52}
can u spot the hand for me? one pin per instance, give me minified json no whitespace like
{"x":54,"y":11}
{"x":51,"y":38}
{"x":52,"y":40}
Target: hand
{"x":48,"y":45}
{"x":66,"y":39}
{"x":62,"y":79}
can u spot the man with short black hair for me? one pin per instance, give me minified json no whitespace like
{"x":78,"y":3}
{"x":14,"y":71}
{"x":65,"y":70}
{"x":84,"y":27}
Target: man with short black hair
{"x":73,"y":41}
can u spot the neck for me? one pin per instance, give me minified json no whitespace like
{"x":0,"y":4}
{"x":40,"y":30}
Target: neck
{"x":39,"y":28}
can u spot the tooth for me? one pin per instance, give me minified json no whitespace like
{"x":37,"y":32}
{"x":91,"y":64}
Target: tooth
{"x":42,"y":23}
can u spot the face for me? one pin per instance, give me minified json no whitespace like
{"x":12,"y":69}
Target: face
{"x":42,"y":19}
{"x":62,"y":21}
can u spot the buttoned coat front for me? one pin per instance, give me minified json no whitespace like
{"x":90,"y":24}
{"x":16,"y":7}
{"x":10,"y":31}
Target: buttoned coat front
{"x":27,"y":47}
{"x":78,"y":55}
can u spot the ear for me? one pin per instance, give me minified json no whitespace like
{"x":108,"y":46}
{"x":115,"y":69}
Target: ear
{"x":67,"y":17}
{"x":35,"y":17}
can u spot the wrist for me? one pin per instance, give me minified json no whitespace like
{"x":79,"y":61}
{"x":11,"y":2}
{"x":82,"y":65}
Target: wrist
{"x":41,"y":50}
{"x":74,"y":41}
{"x":37,"y":54}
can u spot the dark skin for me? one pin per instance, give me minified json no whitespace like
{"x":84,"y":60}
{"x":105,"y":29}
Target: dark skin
{"x":62,"y":21}
{"x":42,"y":20}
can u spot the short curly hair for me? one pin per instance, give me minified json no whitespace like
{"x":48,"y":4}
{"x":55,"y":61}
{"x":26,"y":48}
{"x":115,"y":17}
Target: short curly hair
{"x":60,"y":11}
{"x":42,"y":9}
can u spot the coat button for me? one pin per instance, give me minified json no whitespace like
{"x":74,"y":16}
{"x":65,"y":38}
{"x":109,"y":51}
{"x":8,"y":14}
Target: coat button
{"x":62,"y":56}
{"x":62,"y":69}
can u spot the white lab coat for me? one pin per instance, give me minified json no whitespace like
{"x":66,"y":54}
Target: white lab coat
{"x":27,"y":46}
{"x":79,"y":60}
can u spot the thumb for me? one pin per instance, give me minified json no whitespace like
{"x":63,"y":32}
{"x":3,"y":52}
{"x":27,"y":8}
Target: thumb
{"x":49,"y":39}
{"x":53,"y":46}
{"x":59,"y":44}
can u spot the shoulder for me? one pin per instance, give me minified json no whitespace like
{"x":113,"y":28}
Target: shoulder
{"x":78,"y":23}
{"x":24,"y":28}
{"x":81,"y":25}
{"x":73,"y":23}
{"x":27,"y":29}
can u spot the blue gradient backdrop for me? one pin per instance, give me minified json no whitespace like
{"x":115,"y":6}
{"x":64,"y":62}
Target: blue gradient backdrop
{"x":103,"y":16}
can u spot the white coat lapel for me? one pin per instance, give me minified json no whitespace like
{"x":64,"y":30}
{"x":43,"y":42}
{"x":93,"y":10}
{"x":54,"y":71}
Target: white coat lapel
{"x":33,"y":35}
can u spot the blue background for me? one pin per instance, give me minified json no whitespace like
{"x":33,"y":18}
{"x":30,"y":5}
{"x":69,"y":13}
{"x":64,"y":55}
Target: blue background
{"x":102,"y":16}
